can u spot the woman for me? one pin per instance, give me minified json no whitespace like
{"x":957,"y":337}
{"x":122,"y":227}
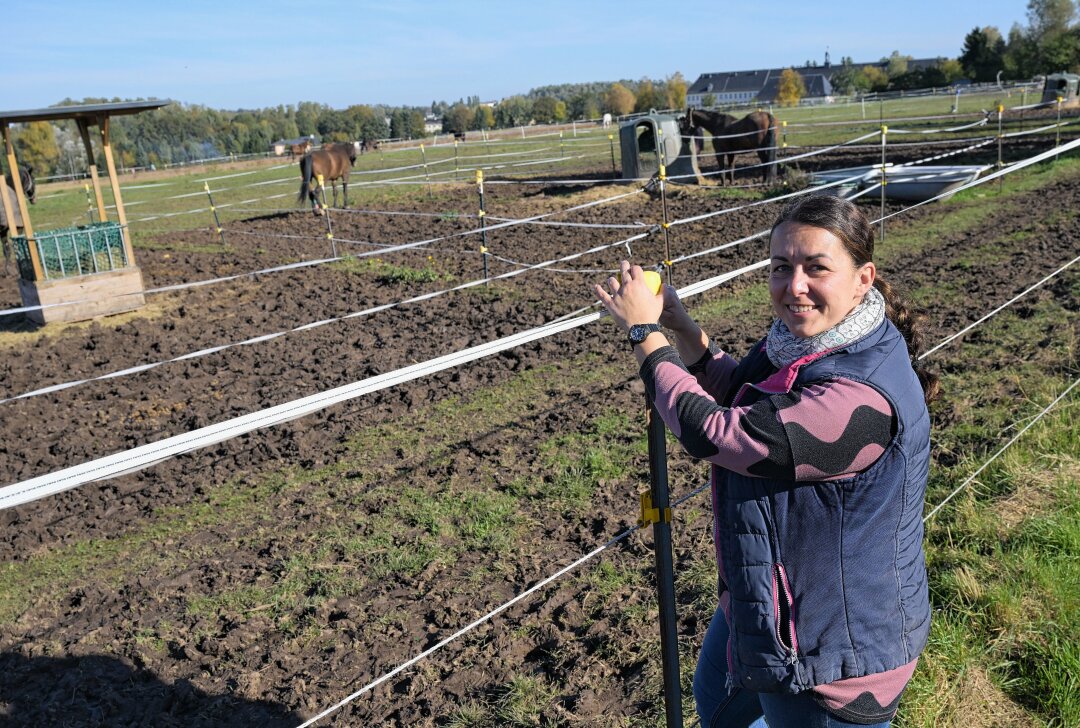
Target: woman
{"x":820,"y":444}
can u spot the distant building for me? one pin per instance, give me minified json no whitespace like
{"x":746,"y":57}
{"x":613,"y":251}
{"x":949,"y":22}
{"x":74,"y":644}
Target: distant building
{"x":763,"y":86}
{"x":432,"y":124}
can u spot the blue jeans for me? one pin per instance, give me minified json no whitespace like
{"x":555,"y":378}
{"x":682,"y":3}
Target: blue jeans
{"x":743,"y":708}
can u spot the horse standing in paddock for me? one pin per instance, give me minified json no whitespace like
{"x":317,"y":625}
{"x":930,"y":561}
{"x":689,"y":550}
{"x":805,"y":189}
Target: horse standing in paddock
{"x":368,"y":145}
{"x":755,"y":132}
{"x":333,"y":162}
{"x":26,"y":177}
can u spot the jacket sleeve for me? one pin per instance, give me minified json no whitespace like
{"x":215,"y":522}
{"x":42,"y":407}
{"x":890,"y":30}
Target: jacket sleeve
{"x":825,"y":430}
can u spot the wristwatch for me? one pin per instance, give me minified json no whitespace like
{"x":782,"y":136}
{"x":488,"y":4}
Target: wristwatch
{"x":640,"y":332}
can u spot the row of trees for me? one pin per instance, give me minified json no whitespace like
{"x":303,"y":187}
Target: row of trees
{"x":1050,"y":42}
{"x":566,"y":102}
{"x":184,"y":133}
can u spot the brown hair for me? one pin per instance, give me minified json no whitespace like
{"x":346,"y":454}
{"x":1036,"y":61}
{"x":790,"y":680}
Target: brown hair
{"x":847,"y":222}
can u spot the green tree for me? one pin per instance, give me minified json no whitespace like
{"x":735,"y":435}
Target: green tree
{"x":458,"y":119}
{"x":543,"y":110}
{"x":873,"y":79}
{"x":983,"y":54}
{"x":951,"y":70}
{"x":415,"y":129}
{"x":708,"y":101}
{"x":483,"y":118}
{"x":399,"y":124}
{"x":846,"y":80}
{"x":897,"y":64}
{"x":583,"y":105}
{"x":792,"y":88}
{"x":37,"y":148}
{"x":619,"y":100}
{"x":513,"y":111}
{"x":675,"y":86}
{"x":649,"y":97}
{"x":1049,"y":18}
{"x":1021,"y":55}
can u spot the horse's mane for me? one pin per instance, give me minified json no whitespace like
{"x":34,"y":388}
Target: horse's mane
{"x":713,"y":121}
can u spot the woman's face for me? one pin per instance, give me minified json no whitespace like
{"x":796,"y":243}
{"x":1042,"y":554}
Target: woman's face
{"x":813,"y":282}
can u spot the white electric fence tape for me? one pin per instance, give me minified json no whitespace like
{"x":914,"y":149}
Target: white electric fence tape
{"x":1003,"y":449}
{"x":143,"y":456}
{"x":323,"y":322}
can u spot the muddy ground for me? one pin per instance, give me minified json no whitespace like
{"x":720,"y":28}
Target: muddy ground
{"x":131,"y":641}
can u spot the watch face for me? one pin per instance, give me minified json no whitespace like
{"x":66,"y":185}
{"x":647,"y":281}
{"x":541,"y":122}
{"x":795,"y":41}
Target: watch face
{"x":639,"y":332}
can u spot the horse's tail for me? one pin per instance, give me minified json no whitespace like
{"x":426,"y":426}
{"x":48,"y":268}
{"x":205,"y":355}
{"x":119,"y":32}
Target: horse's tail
{"x":305,"y":178}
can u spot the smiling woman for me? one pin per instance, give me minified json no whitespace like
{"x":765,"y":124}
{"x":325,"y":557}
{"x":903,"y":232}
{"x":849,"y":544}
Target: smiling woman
{"x":820,"y":444}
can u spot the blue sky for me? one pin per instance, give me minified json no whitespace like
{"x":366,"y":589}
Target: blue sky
{"x":232,"y":54}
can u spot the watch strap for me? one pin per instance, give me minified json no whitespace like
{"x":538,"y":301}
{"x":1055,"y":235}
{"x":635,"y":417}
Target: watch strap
{"x":642,"y":332}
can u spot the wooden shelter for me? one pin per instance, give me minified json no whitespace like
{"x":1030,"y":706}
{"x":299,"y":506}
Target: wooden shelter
{"x":90,"y":269}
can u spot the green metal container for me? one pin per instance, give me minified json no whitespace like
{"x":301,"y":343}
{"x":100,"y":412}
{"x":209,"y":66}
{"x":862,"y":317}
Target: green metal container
{"x":74,"y":251}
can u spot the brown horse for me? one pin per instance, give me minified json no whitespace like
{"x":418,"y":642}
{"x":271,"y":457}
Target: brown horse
{"x":333,"y":162}
{"x":754,"y":132}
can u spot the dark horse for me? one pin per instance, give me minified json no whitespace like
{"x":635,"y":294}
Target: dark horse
{"x":26,"y":177}
{"x":754,"y":132}
{"x":333,"y":162}
{"x":368,"y":145}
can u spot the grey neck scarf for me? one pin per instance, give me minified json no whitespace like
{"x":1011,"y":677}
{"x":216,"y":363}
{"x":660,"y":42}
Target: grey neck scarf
{"x":783,"y":347}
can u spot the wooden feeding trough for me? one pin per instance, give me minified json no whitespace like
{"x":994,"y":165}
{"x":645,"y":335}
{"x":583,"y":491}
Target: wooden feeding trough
{"x":80,"y":272}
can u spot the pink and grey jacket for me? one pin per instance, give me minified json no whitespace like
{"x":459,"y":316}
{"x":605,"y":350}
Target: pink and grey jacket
{"x":819,"y":471}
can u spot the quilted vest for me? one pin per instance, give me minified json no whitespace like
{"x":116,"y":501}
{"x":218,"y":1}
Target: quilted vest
{"x":827,"y":580}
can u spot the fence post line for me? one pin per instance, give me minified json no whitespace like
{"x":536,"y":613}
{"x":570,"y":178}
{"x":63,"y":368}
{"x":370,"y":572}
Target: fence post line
{"x":457,"y":168}
{"x":668,"y":265}
{"x":884,"y":181}
{"x":1000,"y":111}
{"x":611,"y":143}
{"x":326,"y":214}
{"x":656,"y":509}
{"x":426,"y":175}
{"x":213,"y":209}
{"x":483,"y":223}
{"x":1057,"y":132}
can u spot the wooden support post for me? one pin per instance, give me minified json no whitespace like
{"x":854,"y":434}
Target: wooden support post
{"x":28,"y":228}
{"x":91,"y":161}
{"x":103,"y":122}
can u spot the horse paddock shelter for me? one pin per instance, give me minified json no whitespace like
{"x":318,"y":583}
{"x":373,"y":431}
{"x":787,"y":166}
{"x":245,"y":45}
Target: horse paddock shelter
{"x":76,"y":273}
{"x":649,"y":141}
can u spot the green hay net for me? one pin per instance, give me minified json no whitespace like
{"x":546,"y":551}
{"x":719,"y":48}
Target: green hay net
{"x":74,"y":251}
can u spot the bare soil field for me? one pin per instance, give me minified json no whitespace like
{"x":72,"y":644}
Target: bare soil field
{"x":261,"y":580}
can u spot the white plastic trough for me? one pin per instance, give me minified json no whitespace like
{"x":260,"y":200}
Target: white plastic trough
{"x":905,"y":183}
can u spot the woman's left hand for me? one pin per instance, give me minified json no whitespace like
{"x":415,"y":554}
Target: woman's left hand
{"x":630,"y":302}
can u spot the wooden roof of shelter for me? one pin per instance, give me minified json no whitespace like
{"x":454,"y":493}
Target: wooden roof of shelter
{"x":84,"y":116}
{"x":89,"y":112}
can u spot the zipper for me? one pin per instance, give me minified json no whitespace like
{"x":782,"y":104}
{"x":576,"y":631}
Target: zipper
{"x":785,"y":620}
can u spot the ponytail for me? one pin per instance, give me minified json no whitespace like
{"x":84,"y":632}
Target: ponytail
{"x":910,"y":324}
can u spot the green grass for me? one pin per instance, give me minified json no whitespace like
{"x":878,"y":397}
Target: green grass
{"x":178,"y":202}
{"x":389,"y":273}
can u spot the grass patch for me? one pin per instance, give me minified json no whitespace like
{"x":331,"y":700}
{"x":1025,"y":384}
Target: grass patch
{"x":389,"y":273}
